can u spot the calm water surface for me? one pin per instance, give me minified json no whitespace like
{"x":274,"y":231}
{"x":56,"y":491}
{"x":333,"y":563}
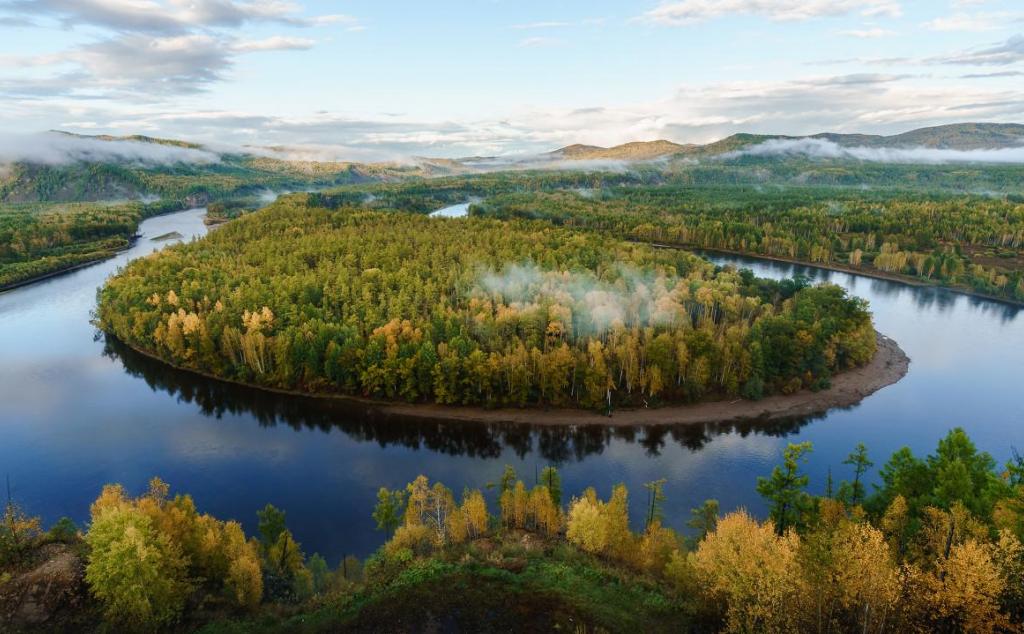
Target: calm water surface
{"x":77,"y":412}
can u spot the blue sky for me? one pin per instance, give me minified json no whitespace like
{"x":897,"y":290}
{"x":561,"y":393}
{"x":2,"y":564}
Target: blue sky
{"x":364,"y":80}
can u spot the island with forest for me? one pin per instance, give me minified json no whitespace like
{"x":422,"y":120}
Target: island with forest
{"x":482,"y":312}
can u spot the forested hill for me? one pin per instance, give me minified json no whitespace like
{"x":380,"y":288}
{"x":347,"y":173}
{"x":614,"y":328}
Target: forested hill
{"x":958,"y":136}
{"x":194,"y":183}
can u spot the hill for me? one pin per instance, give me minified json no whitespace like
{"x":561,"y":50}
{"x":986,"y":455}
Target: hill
{"x":636,"y":151}
{"x":958,"y":136}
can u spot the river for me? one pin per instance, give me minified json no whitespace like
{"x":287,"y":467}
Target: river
{"x":77,"y":412}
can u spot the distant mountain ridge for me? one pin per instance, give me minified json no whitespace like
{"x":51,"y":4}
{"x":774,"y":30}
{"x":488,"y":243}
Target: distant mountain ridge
{"x":957,"y":136}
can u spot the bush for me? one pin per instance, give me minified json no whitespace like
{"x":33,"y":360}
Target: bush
{"x":64,"y":531}
{"x":753,"y":389}
{"x":138,"y":573}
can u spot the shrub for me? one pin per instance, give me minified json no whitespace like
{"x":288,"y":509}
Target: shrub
{"x":138,"y":574}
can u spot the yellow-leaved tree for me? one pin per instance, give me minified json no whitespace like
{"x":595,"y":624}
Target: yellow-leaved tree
{"x":750,"y":573}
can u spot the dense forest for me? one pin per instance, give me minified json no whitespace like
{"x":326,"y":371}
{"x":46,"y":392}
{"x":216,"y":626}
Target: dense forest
{"x":929,"y":234}
{"x":935,"y":546}
{"x":475,"y":311}
{"x":40,"y":238}
{"x":955,"y":225}
{"x":53,"y":217}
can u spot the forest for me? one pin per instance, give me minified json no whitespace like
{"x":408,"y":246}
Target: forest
{"x":475,"y":311}
{"x":40,"y":238}
{"x":54,"y":217}
{"x":929,"y":234}
{"x":934,"y":546}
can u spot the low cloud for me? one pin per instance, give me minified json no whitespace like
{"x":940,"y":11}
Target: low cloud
{"x":823,"y":149}
{"x":54,"y":148}
{"x":586,"y":305}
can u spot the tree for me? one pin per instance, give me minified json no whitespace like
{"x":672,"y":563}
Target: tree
{"x":785,"y":489}
{"x":508,"y":479}
{"x":17,"y":530}
{"x":388,"y":512}
{"x":859,"y":460}
{"x":704,"y":518}
{"x":655,"y":500}
{"x":271,"y":523}
{"x":550,"y":478}
{"x":321,"y":573}
{"x":587,"y":526}
{"x":137,"y":573}
{"x":749,"y":573}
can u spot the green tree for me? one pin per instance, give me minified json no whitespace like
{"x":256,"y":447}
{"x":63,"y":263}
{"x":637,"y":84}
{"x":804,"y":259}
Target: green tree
{"x":320,"y":571}
{"x":271,"y":523}
{"x":655,"y":501}
{"x":785,"y":489}
{"x":704,"y":518}
{"x":859,"y":460}
{"x":389,"y":510}
{"x":508,"y":479}
{"x":550,"y":478}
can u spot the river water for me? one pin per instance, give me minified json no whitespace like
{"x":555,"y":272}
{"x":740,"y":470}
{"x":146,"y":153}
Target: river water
{"x":77,"y":412}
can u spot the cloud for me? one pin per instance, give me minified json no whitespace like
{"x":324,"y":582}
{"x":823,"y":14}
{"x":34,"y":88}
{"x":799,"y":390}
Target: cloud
{"x":1009,"y":52}
{"x":538,"y":42}
{"x":823,"y":149}
{"x":541,"y":25}
{"x":587,"y":305}
{"x":140,"y":65}
{"x":1005,"y":73}
{"x":276,"y":43}
{"x":868,"y":34}
{"x":157,"y":16}
{"x":54,"y":148}
{"x":173,"y":64}
{"x":975,"y":23}
{"x":154,"y":48}
{"x":687,"y":12}
{"x":866,"y":102}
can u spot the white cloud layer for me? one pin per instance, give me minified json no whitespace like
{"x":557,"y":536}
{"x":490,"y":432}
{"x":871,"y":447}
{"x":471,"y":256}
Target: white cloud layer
{"x":824,"y":149}
{"x":52,"y":148}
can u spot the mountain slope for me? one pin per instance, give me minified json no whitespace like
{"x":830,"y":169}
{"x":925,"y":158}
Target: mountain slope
{"x":958,"y":136}
{"x":635,"y":151}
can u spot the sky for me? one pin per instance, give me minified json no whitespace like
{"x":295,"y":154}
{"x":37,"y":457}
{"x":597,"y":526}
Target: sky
{"x":386,"y":79}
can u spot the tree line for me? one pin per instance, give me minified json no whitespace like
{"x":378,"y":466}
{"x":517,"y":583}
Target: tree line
{"x":918,"y":227}
{"x":936,"y":545}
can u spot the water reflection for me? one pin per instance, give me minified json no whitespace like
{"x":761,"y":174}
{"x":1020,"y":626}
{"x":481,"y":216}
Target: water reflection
{"x":555,"y":444}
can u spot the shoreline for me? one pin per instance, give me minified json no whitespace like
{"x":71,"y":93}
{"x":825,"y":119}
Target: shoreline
{"x":132,"y":241}
{"x":888,"y":366}
{"x":10,"y":286}
{"x":842,"y":268}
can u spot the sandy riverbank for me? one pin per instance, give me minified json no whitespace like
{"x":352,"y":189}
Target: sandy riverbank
{"x":888,"y":366}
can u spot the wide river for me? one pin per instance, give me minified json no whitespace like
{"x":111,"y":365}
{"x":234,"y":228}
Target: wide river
{"x":76,"y":413}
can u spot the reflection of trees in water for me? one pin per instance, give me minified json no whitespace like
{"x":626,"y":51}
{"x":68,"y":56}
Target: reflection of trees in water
{"x":556,"y":444}
{"x":924,"y":297}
